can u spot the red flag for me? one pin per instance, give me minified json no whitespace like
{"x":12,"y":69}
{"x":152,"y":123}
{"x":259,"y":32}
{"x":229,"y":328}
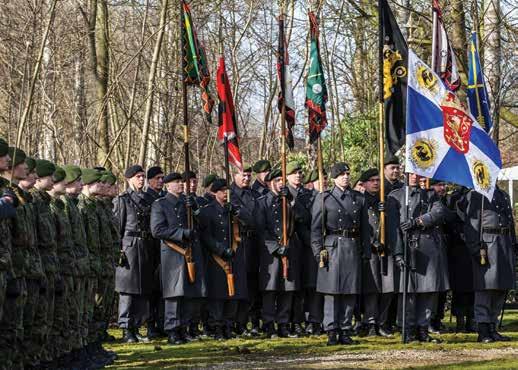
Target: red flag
{"x":227,"y":117}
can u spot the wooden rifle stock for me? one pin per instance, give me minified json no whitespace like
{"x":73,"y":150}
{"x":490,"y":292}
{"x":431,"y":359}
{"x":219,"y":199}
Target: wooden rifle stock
{"x":187,"y":254}
{"x":227,"y":267}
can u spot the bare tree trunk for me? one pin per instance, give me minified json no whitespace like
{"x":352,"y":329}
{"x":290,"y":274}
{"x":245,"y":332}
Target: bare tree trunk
{"x":79,"y":112}
{"x":493,"y":58}
{"x":151,"y":83}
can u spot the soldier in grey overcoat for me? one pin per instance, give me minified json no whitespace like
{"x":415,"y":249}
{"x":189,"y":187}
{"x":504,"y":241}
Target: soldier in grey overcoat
{"x":426,"y":250}
{"x":343,"y":244}
{"x":277,"y":290}
{"x":491,"y":239}
{"x":217,"y":237}
{"x":134,"y":275}
{"x":169,"y":224}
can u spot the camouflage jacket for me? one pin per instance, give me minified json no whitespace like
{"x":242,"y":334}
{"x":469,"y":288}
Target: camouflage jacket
{"x":64,"y":238}
{"x":105,"y":215}
{"x":87,"y":208}
{"x":78,"y":236}
{"x":6,"y":263}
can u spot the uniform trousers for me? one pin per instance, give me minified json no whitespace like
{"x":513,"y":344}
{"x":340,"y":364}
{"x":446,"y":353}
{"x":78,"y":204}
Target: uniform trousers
{"x":314,"y":306}
{"x":222,"y":312}
{"x":277,"y":307}
{"x":338,"y":311}
{"x":376,"y":307}
{"x":180,"y":312}
{"x":419,"y":309}
{"x":488,"y":305}
{"x":133,"y":310}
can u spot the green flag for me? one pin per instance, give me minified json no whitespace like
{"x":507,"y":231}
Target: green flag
{"x":316,"y":90}
{"x":195,"y":61}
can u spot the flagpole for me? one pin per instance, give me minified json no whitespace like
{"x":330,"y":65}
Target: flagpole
{"x":434,"y":37}
{"x":283,"y":150}
{"x":381,"y":127}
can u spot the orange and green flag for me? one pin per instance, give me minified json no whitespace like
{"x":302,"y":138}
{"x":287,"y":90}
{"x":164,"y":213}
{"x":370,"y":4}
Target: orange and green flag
{"x":196,"y":71}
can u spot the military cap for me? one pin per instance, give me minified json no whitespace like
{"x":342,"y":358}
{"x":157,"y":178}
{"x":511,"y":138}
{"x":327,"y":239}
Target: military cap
{"x":59,"y":174}
{"x":208,"y":180}
{"x":218,"y":184}
{"x":18,"y":157}
{"x":72,"y":173}
{"x":154,"y":171}
{"x":338,"y":169}
{"x":90,"y":175}
{"x":44,"y":168}
{"x":391,"y":159}
{"x":133,"y":170}
{"x":4,"y":147}
{"x":436,"y":181}
{"x":313,"y":176}
{"x":292,"y":167}
{"x":192,"y":175}
{"x":366,"y":175}
{"x":247,"y":167}
{"x":31,"y":164}
{"x":274,"y":173}
{"x":262,"y":165}
{"x":172,"y":177}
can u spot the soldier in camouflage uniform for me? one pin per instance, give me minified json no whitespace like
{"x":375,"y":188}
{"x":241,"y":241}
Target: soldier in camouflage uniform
{"x":73,"y":187}
{"x":87,"y":206}
{"x":34,"y":275}
{"x":46,"y":236}
{"x":65,"y":332}
{"x":11,"y":335}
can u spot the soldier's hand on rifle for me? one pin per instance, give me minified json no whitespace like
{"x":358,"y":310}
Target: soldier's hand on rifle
{"x":282,"y":251}
{"x":400,"y":262}
{"x":285,"y":192}
{"x":381,"y":207}
{"x":228,"y":253}
{"x":408,"y":225}
{"x":11,"y":197}
{"x":190,"y":202}
{"x":188,"y":234}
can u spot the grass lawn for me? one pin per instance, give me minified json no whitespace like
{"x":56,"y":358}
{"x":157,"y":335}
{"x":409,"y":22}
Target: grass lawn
{"x":456,"y":352}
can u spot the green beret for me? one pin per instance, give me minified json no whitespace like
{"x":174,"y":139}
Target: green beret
{"x":274,"y":173}
{"x":72,"y":173}
{"x":366,"y":175}
{"x":311,"y":177}
{"x":4,"y":147}
{"x":208,"y":180}
{"x":262,"y":165}
{"x":31,"y":163}
{"x":17,"y":156}
{"x":247,"y":167}
{"x":44,"y":168}
{"x":110,"y":178}
{"x":90,"y":175}
{"x":293,"y":167}
{"x":59,"y":174}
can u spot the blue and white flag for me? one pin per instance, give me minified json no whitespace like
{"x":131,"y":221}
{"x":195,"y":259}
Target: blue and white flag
{"x":477,"y":92}
{"x":443,"y":140}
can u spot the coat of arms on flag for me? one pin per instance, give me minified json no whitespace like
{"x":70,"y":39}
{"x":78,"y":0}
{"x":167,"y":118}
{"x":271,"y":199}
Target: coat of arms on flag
{"x":443,"y":139}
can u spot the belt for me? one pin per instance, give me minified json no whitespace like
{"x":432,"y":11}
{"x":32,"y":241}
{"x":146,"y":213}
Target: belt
{"x":138,"y":234}
{"x":347,"y":233}
{"x":497,"y":230}
{"x":248,"y":233}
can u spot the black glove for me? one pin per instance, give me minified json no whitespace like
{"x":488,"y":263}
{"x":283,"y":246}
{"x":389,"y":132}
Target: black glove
{"x":408,"y":225}
{"x":188,"y":234}
{"x":400,"y":262}
{"x":381,"y":207}
{"x":9,"y":193}
{"x":227,"y":254}
{"x":190,"y":202}
{"x":13,"y":288}
{"x":285,"y":192}
{"x":59,"y":285}
{"x":282,"y":251}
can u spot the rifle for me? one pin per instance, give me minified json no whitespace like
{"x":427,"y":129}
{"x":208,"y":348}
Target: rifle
{"x":187,"y":254}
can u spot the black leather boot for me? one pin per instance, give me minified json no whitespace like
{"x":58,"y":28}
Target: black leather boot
{"x":471,"y":326}
{"x":175,"y":337}
{"x":410,"y":335}
{"x":496,"y":335}
{"x":423,"y":336}
{"x":283,"y":331}
{"x":461,"y":324}
{"x":128,"y":336}
{"x":483,"y":333}
{"x":344,"y":339}
{"x":373,"y":330}
{"x":152,"y":332}
{"x":332,"y":338}
{"x":269,"y":330}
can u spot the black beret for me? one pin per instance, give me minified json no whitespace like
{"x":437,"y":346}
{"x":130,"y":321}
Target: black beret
{"x":208,"y":180}
{"x":366,"y":175}
{"x":218,"y":184}
{"x":44,"y":168}
{"x":262,"y":165}
{"x":172,"y":177}
{"x":4,"y":147}
{"x":17,"y":158}
{"x":133,"y":170}
{"x":274,"y":173}
{"x":153,"y":171}
{"x":31,"y":164}
{"x":192,"y":175}
{"x":391,"y":159}
{"x":436,"y":181}
{"x":338,"y":169}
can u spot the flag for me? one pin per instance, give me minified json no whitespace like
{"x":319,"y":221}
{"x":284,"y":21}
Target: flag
{"x":444,"y":141}
{"x":478,"y":97}
{"x":316,"y":90}
{"x":285,"y":82}
{"x":227,"y":117}
{"x":195,"y":65}
{"x":443,"y":56}
{"x":395,"y":56}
